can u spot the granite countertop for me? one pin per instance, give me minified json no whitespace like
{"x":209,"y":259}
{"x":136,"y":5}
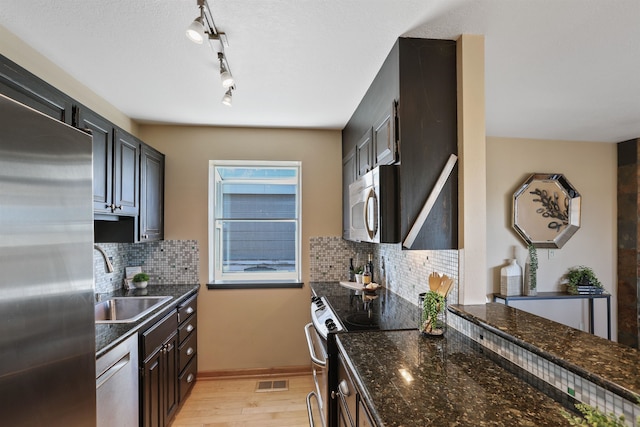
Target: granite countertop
{"x":454,"y":382}
{"x":611,"y":365}
{"x":109,"y":335}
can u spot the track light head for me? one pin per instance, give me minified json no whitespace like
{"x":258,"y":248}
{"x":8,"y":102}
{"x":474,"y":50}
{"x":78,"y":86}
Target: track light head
{"x":225,"y":74}
{"x":195,"y":31}
{"x":227,"y":98}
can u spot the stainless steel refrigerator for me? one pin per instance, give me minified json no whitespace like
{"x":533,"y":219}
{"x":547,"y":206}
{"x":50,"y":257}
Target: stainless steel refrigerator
{"x":47,"y":331}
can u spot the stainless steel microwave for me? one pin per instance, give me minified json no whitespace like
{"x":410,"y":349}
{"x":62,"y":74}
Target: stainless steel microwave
{"x":373,"y":206}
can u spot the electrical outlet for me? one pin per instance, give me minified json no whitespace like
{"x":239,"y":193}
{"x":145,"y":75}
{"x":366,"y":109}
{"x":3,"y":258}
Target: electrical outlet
{"x":552,"y":253}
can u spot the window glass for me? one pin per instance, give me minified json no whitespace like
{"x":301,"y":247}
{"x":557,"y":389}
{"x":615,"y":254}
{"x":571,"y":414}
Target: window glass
{"x":254,"y":222}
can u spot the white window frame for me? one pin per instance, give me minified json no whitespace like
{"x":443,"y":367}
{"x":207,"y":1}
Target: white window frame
{"x":254,"y":279}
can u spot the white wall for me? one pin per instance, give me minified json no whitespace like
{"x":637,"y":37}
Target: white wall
{"x":592,"y":169}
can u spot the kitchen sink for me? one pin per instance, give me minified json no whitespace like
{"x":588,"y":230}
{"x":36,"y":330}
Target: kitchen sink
{"x":126,"y":309}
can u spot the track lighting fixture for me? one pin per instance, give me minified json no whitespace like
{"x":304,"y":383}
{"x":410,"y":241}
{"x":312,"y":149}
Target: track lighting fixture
{"x":195,"y":31}
{"x":225,"y":75}
{"x":203,"y":27}
{"x":227,"y":98}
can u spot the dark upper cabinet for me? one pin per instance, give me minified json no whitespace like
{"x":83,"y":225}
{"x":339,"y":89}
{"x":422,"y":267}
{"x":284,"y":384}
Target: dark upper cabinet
{"x":19,"y":84}
{"x":151,"y":194}
{"x":384,"y":137}
{"x":116,"y":170}
{"x":410,"y":110}
{"x":102,"y":134}
{"x":364,"y":154}
{"x":349,"y":175}
{"x":126,"y":173}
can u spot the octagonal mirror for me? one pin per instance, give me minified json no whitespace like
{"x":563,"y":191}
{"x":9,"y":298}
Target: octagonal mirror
{"x":546,"y":210}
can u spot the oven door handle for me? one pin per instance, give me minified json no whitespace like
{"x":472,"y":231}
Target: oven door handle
{"x":317,"y":361}
{"x":310,"y":411}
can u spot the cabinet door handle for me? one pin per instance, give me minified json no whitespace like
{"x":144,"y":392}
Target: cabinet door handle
{"x":189,"y":351}
{"x":190,"y":328}
{"x":190,"y":378}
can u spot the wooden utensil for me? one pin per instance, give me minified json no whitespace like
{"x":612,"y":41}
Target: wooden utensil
{"x":434,"y":281}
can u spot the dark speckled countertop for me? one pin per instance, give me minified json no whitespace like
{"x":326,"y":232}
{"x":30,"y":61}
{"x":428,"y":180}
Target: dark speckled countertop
{"x":606,"y":363}
{"x":454,"y":383}
{"x":110,"y":335}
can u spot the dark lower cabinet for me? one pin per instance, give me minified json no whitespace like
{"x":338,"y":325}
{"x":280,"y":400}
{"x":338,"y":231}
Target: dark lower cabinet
{"x":188,"y":346}
{"x":352,"y":411}
{"x":169,"y":364}
{"x":159,"y":369}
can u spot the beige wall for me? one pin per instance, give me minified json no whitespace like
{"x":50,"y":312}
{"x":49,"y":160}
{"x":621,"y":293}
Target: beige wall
{"x":25,"y":56}
{"x":591,"y":168}
{"x":240,"y":329}
{"x":472,"y":170}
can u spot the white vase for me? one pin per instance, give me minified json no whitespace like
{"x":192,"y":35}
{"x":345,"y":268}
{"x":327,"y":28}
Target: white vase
{"x":140,"y":285}
{"x":511,"y":279}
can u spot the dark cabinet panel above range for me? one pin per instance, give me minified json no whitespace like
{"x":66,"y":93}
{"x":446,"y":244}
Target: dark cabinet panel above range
{"x":409,"y":115}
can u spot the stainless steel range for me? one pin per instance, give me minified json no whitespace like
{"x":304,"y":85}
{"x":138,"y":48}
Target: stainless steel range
{"x":324,"y":323}
{"x":340,"y":309}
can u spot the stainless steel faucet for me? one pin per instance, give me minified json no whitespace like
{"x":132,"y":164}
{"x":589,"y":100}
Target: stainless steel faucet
{"x":106,"y":258}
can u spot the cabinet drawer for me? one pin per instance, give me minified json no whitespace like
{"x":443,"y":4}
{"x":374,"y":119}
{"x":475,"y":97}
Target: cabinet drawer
{"x":187,"y":328}
{"x":187,"y":351}
{"x":187,"y":308}
{"x":188,"y":378}
{"x":154,"y":337}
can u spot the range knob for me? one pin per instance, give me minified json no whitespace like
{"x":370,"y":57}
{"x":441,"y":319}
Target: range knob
{"x":330,"y":324}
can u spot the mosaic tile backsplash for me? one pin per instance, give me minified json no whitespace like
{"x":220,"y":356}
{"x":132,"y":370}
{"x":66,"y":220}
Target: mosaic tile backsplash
{"x":166,"y":262}
{"x":404,"y":272}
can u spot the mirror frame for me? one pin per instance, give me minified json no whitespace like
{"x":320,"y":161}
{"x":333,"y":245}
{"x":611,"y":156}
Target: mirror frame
{"x":544,"y":220}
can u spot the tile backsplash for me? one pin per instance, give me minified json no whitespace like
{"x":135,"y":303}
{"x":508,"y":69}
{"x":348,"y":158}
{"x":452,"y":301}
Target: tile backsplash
{"x":405,"y":272}
{"x":166,"y":262}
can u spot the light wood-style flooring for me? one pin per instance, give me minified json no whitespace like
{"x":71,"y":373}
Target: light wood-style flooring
{"x":236,"y":403}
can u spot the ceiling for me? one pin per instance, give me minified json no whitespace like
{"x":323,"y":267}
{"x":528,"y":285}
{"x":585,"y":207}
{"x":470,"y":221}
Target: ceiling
{"x":555,"y":69}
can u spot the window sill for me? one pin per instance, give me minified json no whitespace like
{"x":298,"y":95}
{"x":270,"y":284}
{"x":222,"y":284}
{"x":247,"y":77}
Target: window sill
{"x":254,"y":285}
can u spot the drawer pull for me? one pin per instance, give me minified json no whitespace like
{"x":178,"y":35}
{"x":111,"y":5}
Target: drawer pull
{"x":190,"y":378}
{"x":190,"y":328}
{"x":189,"y":310}
{"x":189,"y":351}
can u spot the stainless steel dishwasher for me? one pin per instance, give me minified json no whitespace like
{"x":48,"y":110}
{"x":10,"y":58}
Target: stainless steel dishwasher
{"x":117,"y":386}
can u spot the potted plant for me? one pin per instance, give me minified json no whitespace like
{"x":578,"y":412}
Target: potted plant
{"x":359,"y":274}
{"x":582,"y":279}
{"x":141,"y":280}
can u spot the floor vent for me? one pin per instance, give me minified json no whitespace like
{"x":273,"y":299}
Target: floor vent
{"x":280,"y":385}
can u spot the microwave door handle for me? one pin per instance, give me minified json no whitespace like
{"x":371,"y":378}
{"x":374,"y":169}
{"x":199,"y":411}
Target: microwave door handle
{"x":370,"y":232}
